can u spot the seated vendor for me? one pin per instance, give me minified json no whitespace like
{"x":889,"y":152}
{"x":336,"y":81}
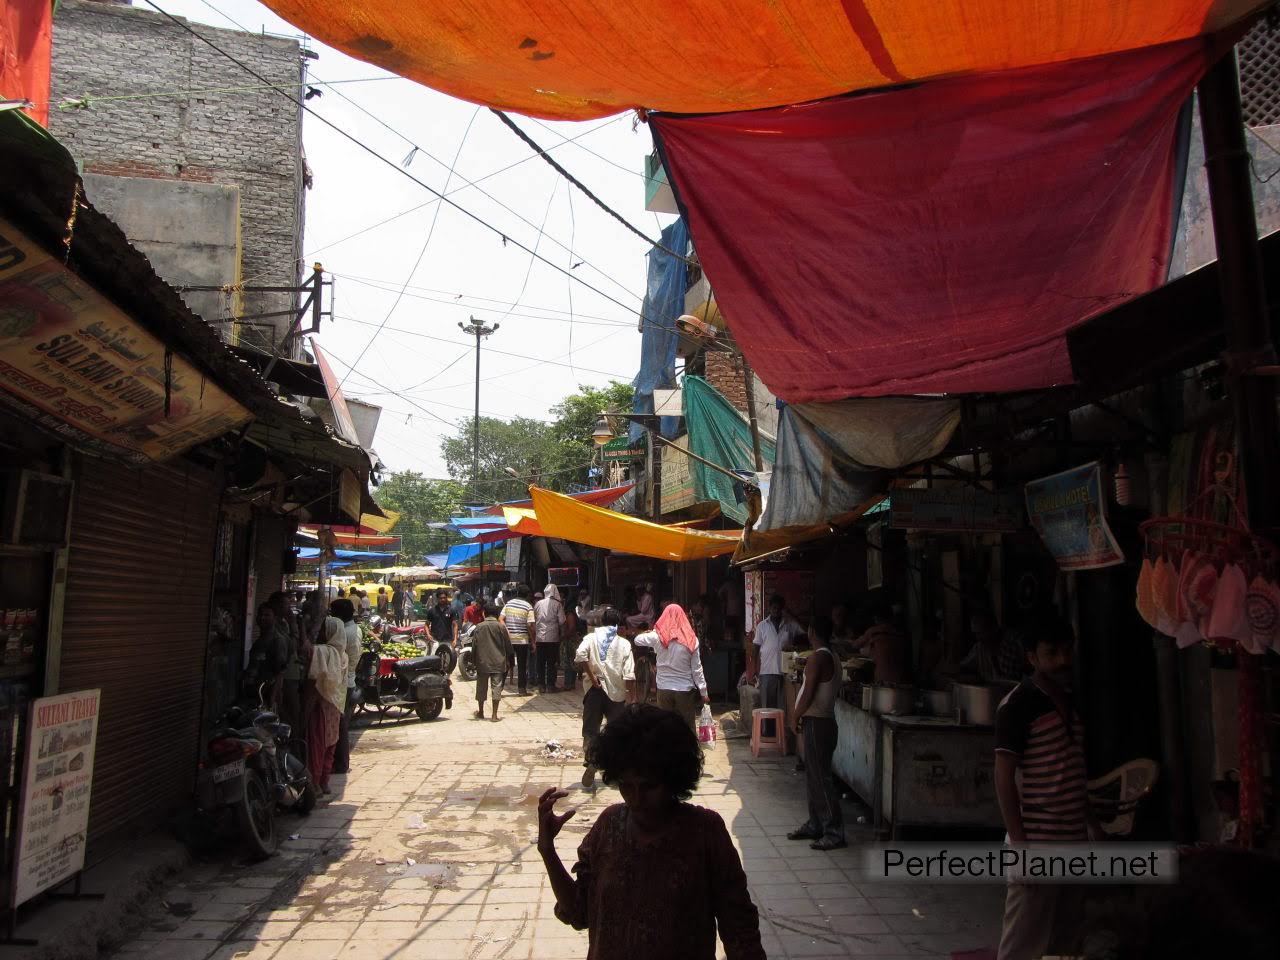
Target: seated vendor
{"x":885,"y":643}
{"x":995,"y":655}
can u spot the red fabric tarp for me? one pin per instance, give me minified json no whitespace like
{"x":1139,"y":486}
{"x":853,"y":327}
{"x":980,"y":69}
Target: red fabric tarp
{"x":600,"y":498}
{"x":938,"y":238}
{"x":26,"y":52}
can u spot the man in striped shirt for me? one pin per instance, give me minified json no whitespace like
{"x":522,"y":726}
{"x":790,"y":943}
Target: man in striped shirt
{"x":1042,"y":786}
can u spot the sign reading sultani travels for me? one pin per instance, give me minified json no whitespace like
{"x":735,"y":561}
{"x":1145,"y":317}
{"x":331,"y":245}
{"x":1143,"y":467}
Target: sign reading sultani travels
{"x":75,"y":364}
{"x":57,"y":778}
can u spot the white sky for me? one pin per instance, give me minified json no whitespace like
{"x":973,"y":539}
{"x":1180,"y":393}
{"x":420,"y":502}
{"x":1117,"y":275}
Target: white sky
{"x":401,"y":369}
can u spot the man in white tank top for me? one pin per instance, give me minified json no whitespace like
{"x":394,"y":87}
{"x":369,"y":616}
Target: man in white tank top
{"x":815,"y":720}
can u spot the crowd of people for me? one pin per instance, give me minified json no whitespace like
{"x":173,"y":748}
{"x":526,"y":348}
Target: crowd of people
{"x":303,"y":664}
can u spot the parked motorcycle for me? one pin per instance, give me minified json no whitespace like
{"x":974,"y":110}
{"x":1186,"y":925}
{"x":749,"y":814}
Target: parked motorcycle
{"x":254,"y":767}
{"x":466,"y":654}
{"x":420,"y":684}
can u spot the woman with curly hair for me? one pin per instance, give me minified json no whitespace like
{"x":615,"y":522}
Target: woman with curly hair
{"x":656,"y":876}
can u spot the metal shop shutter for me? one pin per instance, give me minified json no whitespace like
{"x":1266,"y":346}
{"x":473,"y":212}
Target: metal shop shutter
{"x":136,"y":624}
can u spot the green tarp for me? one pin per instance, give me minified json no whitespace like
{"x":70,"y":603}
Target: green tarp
{"x":719,"y":432}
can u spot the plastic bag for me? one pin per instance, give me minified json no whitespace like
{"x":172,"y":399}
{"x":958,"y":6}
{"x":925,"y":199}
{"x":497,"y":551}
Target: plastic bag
{"x":707,"y":728}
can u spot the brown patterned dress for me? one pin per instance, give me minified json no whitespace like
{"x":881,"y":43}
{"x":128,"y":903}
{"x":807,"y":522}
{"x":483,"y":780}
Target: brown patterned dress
{"x":663,"y":898}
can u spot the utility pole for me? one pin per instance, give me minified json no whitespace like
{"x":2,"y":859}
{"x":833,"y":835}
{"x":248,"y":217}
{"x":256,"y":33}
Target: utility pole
{"x":478,"y":330}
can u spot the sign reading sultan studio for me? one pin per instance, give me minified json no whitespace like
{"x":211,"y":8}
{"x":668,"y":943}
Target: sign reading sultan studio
{"x":75,"y":364}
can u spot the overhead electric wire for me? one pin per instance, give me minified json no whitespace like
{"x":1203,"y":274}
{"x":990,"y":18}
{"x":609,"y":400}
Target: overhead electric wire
{"x":599,"y":156}
{"x":394,"y":166}
{"x":302,"y":105}
{"x":505,"y":353}
{"x":461,"y":298}
{"x":536,"y":243}
{"x":511,"y":125}
{"x":465,"y":186}
{"x":515,"y":372}
{"x":435,"y":217}
{"x":84,"y":102}
{"x":417,"y":148}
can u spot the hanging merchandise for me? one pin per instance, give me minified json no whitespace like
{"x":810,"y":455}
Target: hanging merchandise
{"x":1262,"y":608}
{"x":1212,"y":581}
{"x":1228,"y":623}
{"x":1146,"y":595}
{"x":1164,"y":580}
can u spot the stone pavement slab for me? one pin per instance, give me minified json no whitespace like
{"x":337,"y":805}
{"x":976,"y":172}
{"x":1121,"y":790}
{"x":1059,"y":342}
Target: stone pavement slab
{"x":427,"y":851}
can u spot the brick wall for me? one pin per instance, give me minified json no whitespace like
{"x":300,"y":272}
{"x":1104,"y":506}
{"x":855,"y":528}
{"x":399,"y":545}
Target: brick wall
{"x":724,"y":372}
{"x":250,"y":140}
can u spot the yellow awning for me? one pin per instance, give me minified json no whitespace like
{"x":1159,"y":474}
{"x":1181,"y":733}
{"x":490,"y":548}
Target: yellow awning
{"x":769,"y":541}
{"x":592,"y":58}
{"x":523,"y":521}
{"x":569,"y":519}
{"x":381,"y":524}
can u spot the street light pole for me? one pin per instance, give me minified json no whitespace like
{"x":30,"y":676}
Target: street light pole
{"x":478,"y":330}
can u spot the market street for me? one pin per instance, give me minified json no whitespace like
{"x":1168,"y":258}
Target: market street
{"x":427,"y":852}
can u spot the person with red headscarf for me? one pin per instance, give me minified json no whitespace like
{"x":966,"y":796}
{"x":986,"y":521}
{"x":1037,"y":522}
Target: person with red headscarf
{"x":682,"y":688}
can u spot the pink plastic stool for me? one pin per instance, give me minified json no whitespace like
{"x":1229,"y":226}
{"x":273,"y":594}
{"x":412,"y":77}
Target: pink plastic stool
{"x":773,"y":743}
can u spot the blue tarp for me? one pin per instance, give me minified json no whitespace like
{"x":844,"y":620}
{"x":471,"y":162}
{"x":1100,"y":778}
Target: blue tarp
{"x":313,"y":553}
{"x":460,"y":553}
{"x":663,"y":302}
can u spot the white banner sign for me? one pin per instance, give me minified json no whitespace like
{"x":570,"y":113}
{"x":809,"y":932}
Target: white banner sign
{"x":57,"y":776}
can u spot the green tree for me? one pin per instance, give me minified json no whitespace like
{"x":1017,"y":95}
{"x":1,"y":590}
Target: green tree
{"x":575,"y":419}
{"x":556,"y":455}
{"x":420,"y":503}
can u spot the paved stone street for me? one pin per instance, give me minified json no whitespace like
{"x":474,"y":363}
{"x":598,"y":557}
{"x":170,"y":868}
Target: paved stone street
{"x":427,"y":851}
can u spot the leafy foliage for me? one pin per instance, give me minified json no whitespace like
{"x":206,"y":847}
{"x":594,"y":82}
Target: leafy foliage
{"x":555,"y":455}
{"x":420,"y":502}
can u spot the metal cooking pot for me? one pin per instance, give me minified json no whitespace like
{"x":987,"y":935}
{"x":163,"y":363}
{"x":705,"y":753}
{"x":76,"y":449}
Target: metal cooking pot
{"x":900,"y":700}
{"x":976,"y":702}
{"x":938,"y":703}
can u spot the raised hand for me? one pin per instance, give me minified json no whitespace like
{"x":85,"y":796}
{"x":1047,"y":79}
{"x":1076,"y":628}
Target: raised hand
{"x":549,"y":822}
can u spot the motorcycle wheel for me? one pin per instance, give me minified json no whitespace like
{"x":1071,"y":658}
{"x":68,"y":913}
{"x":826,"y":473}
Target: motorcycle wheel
{"x":255,"y":816}
{"x":467,"y":666}
{"x":448,"y":658}
{"x":429,"y":709}
{"x":307,"y":801}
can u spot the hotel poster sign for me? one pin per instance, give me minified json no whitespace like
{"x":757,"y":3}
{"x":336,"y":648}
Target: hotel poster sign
{"x":1068,"y":510}
{"x":75,"y":364}
{"x":53,"y":818}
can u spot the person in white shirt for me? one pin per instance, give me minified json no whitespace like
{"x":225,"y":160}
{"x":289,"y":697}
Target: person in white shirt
{"x":681,"y":684}
{"x":548,"y":622}
{"x":605,"y":660}
{"x":773,"y":635}
{"x":345,"y":611}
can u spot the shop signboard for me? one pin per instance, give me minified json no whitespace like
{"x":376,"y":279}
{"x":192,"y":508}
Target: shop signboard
{"x":72,"y":362}
{"x":956,"y":509}
{"x":621,"y":448}
{"x":677,"y":478}
{"x":753,"y":588}
{"x":1068,"y":510}
{"x":53,"y":817}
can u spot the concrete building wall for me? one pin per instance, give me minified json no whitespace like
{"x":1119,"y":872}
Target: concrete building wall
{"x":249,"y":141}
{"x":189,"y":231}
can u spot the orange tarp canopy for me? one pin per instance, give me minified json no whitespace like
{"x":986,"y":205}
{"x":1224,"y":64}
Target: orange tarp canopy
{"x":590,"y":58}
{"x":568,"y":519}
